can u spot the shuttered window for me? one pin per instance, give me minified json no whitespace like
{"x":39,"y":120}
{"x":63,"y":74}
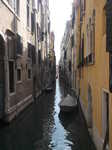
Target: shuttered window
{"x":11,"y":77}
{"x":29,"y":73}
{"x":19,"y":75}
{"x":39,"y":57}
{"x":109,"y":33}
{"x":19,"y":49}
{"x":72,"y":39}
{"x":17,"y":6}
{"x":29,"y":50}
{"x":109,"y":26}
{"x":14,"y":5}
{"x":32,"y":22}
{"x":32,"y":52}
{"x":28,"y":13}
{"x":82,"y":51}
{"x":70,"y":66}
{"x":11,"y":45}
{"x":33,"y":55}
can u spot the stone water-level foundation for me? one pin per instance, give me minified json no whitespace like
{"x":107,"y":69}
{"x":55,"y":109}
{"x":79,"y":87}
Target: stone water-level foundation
{"x":14,"y":111}
{"x":93,"y":131}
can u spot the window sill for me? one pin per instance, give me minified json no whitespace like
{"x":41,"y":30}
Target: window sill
{"x":19,"y":55}
{"x":19,"y":82}
{"x":12,"y":94}
{"x":29,"y":79}
{"x":9,"y":7}
{"x":90,"y":64}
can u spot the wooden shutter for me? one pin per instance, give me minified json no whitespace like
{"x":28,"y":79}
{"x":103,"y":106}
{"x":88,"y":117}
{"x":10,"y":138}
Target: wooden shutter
{"x":11,"y":44}
{"x":33,"y":54}
{"x":29,"y":50}
{"x":109,"y":33}
{"x":72,"y":39}
{"x":32,"y":22}
{"x":19,"y":47}
{"x":109,"y":27}
{"x":82,"y":51}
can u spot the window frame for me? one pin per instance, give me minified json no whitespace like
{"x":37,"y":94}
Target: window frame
{"x":28,"y":12}
{"x":29,"y":69}
{"x":12,"y":93}
{"x":19,"y":68}
{"x":12,"y":5}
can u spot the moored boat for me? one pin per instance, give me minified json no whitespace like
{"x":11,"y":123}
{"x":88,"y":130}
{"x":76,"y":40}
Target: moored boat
{"x":68,"y":104}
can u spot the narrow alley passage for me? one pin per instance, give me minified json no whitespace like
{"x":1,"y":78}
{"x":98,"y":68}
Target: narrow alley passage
{"x":41,"y":127}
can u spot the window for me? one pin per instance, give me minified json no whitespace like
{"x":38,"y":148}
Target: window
{"x":90,"y":39}
{"x":8,"y":1}
{"x":28,"y":13}
{"x":83,"y":7}
{"x":17,"y":6}
{"x":72,"y":39}
{"x":93,"y":31}
{"x":104,"y":22}
{"x":19,"y":44}
{"x":29,"y":74}
{"x":73,"y":17}
{"x":29,"y":50}
{"x":109,"y":26}
{"x":32,"y":22}
{"x":70,"y":66}
{"x":65,"y":54}
{"x":87,"y":41}
{"x":19,"y":74}
{"x":14,"y":5}
{"x":105,"y":118}
{"x":11,"y":47}
{"x":49,"y":27}
{"x":82,"y":52}
{"x":11,"y":77}
{"x":33,"y":54}
{"x":37,"y":30}
{"x":35,"y":5}
{"x":39,"y":57}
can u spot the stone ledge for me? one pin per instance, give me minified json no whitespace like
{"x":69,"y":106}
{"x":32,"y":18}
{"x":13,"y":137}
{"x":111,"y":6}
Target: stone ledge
{"x":16,"y":110}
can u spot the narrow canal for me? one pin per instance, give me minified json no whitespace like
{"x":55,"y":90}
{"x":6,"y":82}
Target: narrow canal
{"x":40,"y":127}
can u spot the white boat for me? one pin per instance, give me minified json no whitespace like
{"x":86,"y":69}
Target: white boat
{"x":68,"y":104}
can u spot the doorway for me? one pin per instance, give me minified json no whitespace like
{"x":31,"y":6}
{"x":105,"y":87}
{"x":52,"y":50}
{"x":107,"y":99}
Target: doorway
{"x":105,"y":120}
{"x":2,"y":76}
{"x":90,"y":116}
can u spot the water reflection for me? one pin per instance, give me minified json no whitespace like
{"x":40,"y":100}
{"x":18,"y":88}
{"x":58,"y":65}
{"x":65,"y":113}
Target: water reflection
{"x":42,"y":127}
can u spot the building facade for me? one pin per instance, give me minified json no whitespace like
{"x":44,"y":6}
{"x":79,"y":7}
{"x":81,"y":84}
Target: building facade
{"x":52,"y":60}
{"x":23,"y":48}
{"x":91,"y":66}
{"x":95,"y":95}
{"x":66,"y":55}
